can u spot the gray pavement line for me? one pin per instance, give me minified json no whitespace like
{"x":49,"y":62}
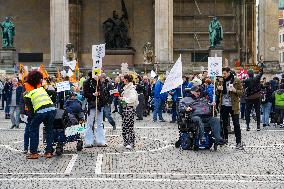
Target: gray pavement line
{"x":2,"y":129}
{"x":142,"y":151}
{"x":193,"y":174}
{"x":71,"y":164}
{"x":139,"y":127}
{"x":166,"y":142}
{"x":141,"y":180}
{"x":10,"y":148}
{"x":272,"y":146}
{"x":99,"y":162}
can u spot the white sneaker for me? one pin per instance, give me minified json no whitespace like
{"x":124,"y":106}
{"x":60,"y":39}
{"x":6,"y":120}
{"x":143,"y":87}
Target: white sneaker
{"x":129,"y":147}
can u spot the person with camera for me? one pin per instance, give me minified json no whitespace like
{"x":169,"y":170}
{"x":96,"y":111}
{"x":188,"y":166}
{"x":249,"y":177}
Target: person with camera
{"x":252,"y":87}
{"x":229,"y":92}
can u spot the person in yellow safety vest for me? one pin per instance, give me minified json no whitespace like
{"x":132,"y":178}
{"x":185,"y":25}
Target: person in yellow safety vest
{"x":43,"y":111}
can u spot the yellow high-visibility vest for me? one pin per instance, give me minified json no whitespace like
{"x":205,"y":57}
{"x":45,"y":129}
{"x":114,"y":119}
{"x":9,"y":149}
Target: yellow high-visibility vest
{"x":39,"y":98}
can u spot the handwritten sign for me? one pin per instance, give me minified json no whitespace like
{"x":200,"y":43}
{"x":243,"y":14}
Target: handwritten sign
{"x":63,"y":86}
{"x":73,"y":130}
{"x":215,"y":66}
{"x":98,"y":51}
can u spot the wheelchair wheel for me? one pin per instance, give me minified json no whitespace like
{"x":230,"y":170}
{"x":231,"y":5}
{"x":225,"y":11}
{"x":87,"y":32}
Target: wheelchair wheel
{"x":177,"y":144}
{"x":195,"y":148}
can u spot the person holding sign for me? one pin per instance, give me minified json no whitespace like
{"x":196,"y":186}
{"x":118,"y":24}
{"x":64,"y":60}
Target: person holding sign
{"x":230,"y":92}
{"x":92,"y":90}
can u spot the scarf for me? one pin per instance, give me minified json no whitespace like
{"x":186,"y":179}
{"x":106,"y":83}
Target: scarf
{"x":229,"y":78}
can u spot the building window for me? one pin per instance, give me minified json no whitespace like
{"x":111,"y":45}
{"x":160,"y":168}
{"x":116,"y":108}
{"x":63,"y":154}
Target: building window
{"x":30,"y":57}
{"x":282,"y":56}
{"x":280,"y":37}
{"x":199,"y":57}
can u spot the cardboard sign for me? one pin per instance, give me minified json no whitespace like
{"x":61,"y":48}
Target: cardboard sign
{"x":63,"y":86}
{"x":73,"y":130}
{"x":215,"y":66}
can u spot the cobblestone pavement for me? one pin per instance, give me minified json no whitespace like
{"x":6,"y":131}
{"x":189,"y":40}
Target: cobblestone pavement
{"x":154,"y":163}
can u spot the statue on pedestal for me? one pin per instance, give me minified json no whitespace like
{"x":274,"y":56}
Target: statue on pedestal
{"x":8,"y":33}
{"x":116,"y":30}
{"x":148,"y":53}
{"x":215,"y":33}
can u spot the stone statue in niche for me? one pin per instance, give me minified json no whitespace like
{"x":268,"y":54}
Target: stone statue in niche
{"x":116,"y":30}
{"x":215,"y":33}
{"x":148,"y":53}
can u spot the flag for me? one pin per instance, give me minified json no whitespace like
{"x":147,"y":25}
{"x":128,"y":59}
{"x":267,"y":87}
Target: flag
{"x":77,"y":72}
{"x":242,"y":73}
{"x":58,"y":76}
{"x":174,"y":78}
{"x":153,"y":74}
{"x":23,"y":72}
{"x":43,"y":71}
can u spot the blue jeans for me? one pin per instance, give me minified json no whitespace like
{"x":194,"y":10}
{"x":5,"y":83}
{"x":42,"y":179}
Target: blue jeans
{"x":107,"y":114}
{"x":97,"y":136}
{"x":47,"y":118}
{"x":243,"y":110}
{"x":158,"y":105}
{"x":174,"y":110}
{"x":212,"y":122}
{"x":27,"y":135}
{"x":266,"y":108}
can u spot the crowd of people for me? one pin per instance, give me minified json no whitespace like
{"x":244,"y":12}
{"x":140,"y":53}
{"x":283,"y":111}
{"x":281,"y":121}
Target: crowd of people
{"x":135,"y":97}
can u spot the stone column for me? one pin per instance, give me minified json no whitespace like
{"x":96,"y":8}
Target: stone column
{"x":164,"y":32}
{"x":59,"y":30}
{"x":75,"y":7}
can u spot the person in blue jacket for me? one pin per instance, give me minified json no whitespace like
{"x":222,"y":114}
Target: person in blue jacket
{"x":209,"y":90}
{"x":159,"y":99}
{"x":177,"y":94}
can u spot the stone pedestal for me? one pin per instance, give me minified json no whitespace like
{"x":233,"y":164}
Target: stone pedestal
{"x":8,"y":58}
{"x":164,"y":31}
{"x":216,"y":51}
{"x":114,"y":58}
{"x":59,"y":30}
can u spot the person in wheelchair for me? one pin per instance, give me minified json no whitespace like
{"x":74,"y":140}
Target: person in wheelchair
{"x":200,"y":112}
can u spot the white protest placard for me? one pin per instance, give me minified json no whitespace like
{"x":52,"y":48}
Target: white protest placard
{"x":70,"y":73}
{"x":124,"y":68}
{"x":73,"y":130}
{"x":97,"y":63}
{"x":64,"y":61}
{"x":98,"y":51}
{"x":63,"y":73}
{"x":63,"y":86}
{"x":72,"y":64}
{"x":215,"y":66}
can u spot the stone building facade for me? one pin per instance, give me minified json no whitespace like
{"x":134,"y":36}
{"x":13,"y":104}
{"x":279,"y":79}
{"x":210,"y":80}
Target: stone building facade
{"x":173,"y":27}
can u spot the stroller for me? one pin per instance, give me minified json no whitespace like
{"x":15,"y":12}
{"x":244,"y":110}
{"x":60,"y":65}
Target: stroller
{"x":189,"y":135}
{"x":62,"y":122}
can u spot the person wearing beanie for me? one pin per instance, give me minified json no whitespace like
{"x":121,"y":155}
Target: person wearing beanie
{"x":252,"y":88}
